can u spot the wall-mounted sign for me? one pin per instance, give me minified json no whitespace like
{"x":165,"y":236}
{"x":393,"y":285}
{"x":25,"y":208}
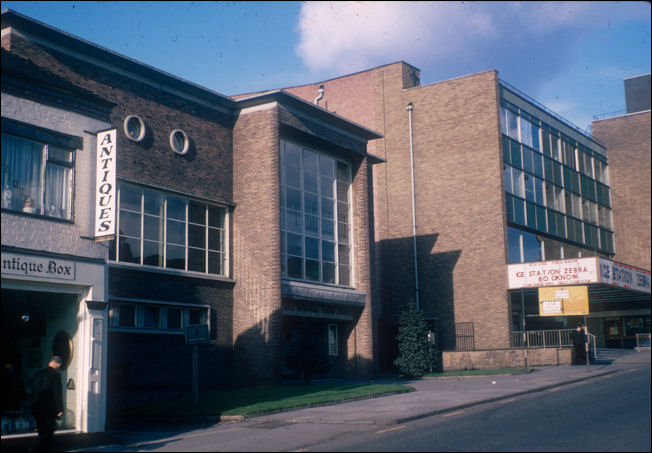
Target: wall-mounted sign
{"x":564,"y":301}
{"x":578,"y":271}
{"x":553,"y":273}
{"x":105,"y":187}
{"x":618,"y":274}
{"x":197,"y":333}
{"x":32,"y":266}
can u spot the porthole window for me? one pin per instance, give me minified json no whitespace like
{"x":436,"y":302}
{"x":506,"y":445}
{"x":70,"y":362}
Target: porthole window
{"x":179,"y":141}
{"x":134,"y":128}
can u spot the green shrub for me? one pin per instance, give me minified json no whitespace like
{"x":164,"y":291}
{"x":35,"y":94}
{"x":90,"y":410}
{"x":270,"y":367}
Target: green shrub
{"x":416,"y":355}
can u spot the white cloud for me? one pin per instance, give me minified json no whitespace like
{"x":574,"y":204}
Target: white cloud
{"x":348,"y":36}
{"x":345,"y":36}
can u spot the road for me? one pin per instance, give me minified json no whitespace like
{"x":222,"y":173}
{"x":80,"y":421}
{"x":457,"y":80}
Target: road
{"x":609,"y":413}
{"x":606,"y":414}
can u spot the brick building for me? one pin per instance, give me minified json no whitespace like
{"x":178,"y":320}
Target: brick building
{"x":252,"y":217}
{"x":480,"y":181}
{"x":54,"y":285}
{"x":627,"y":136}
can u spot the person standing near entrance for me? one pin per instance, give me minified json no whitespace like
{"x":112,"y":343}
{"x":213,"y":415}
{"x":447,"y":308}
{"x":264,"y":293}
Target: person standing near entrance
{"x":578,"y":338}
{"x":47,"y":402}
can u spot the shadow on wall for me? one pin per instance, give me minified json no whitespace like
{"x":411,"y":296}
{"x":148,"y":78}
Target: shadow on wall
{"x":436,"y":287}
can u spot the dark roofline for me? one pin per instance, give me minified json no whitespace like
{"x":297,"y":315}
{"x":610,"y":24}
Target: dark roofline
{"x":240,"y":95}
{"x":31,"y":26}
{"x":286,"y":98}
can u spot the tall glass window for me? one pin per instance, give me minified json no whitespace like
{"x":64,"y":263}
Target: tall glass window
{"x":315,"y":216}
{"x":168,"y":231}
{"x":36,"y":177}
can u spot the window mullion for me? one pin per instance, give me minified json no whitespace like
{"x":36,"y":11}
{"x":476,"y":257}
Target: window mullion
{"x":142,"y":227}
{"x":336,"y":229}
{"x":44,"y":162}
{"x":185,"y":245}
{"x":165,"y":233}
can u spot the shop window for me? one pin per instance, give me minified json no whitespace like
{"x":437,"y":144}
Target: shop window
{"x":36,"y":177}
{"x":168,"y":231}
{"x":62,"y":346}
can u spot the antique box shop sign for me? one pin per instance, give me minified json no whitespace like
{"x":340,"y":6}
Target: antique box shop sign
{"x":32,"y":266}
{"x":105,"y":189}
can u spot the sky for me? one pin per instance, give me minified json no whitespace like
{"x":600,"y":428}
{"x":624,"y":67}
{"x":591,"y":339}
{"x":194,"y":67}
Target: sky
{"x":572,"y":57}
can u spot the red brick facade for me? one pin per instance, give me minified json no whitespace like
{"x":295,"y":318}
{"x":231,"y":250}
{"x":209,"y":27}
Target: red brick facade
{"x":628,"y":140}
{"x":460,"y":224}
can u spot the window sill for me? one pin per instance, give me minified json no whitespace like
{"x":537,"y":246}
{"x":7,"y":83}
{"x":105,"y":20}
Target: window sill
{"x":36,"y":216}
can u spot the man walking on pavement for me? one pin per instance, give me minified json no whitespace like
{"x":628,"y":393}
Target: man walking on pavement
{"x":47,"y":403}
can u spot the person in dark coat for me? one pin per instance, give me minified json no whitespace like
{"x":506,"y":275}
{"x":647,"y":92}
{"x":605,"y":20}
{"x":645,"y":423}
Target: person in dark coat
{"x":47,"y":402}
{"x":578,"y":338}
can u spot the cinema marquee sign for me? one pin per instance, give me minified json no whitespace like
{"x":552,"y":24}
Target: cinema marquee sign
{"x":105,"y":187}
{"x":579,"y":271}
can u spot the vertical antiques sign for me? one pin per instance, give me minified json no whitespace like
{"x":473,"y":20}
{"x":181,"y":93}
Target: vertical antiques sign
{"x":105,"y":187}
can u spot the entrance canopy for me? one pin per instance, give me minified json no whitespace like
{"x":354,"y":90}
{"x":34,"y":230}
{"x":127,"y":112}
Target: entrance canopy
{"x":608,"y":281}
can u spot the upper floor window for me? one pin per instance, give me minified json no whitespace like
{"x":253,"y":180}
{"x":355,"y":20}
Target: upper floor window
{"x":160,"y":229}
{"x":36,"y":177}
{"x":315,"y":216}
{"x":509,"y":123}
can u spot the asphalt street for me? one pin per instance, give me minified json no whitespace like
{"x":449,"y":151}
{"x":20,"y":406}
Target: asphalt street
{"x":432,"y":396}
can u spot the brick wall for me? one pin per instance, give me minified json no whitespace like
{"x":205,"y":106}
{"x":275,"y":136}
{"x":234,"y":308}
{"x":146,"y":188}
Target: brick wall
{"x":256,"y":244}
{"x":458,"y":185}
{"x":504,"y":358}
{"x":360,"y":345}
{"x":151,"y":160}
{"x":628,"y":143}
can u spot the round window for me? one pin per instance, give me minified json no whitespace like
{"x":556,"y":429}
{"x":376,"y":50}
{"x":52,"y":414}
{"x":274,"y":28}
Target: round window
{"x":62,"y":346}
{"x":179,"y":141}
{"x":134,"y":128}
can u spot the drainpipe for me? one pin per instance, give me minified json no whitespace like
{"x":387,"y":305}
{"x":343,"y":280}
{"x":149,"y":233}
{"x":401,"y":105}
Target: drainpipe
{"x":321,"y":94}
{"x":414,"y":217}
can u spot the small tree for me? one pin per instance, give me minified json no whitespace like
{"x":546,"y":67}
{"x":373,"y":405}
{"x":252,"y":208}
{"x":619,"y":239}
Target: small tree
{"x":416,"y":354}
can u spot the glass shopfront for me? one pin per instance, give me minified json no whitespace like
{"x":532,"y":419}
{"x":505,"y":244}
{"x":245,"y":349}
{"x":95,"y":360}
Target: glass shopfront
{"x":35,"y":326}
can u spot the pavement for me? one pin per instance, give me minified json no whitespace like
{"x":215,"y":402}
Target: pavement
{"x":432,"y":396}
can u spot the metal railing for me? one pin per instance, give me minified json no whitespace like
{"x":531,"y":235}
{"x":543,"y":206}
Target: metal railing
{"x":454,"y":336}
{"x":549,"y":339}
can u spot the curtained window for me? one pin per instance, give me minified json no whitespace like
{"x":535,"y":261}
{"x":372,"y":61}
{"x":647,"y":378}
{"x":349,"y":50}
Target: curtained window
{"x":36,"y":177}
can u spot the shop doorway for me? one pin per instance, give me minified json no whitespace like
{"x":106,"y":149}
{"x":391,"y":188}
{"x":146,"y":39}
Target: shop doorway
{"x":613,"y":330}
{"x":35,"y":326}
